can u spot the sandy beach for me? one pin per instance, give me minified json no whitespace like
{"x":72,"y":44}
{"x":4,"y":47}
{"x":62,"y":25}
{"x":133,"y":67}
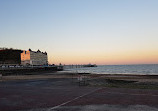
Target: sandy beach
{"x":126,"y":77}
{"x":62,"y":91}
{"x":98,"y":80}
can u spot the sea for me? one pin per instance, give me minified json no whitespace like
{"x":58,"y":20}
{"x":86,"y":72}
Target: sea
{"x":145,"y":69}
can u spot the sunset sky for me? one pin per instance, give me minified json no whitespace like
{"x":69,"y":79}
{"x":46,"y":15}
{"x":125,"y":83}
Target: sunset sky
{"x":83,"y":31}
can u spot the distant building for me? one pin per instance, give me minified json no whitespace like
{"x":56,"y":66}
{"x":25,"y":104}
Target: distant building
{"x":34,"y":58}
{"x":10,"y":56}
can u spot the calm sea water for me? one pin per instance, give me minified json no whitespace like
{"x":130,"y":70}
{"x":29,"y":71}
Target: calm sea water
{"x":150,"y":69}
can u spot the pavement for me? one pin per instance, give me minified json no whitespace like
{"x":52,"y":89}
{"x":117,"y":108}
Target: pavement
{"x":61,"y":94}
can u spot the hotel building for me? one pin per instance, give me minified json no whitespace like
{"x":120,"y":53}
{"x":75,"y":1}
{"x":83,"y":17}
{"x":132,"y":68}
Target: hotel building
{"x":34,"y":58}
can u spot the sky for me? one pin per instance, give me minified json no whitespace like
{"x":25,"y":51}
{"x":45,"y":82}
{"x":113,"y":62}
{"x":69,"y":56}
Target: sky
{"x":103,"y":32}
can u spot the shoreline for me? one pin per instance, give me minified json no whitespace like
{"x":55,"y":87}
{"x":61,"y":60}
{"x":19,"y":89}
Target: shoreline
{"x":49,"y":75}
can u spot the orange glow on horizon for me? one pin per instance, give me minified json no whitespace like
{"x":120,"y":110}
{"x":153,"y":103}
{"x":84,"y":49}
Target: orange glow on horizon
{"x":137,"y":57}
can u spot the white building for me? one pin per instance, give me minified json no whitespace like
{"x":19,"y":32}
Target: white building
{"x":34,"y":58}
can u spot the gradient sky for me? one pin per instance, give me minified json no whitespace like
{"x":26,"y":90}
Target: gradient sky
{"x":83,"y":31}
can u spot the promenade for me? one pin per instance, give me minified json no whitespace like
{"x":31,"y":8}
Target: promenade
{"x":62,"y":94}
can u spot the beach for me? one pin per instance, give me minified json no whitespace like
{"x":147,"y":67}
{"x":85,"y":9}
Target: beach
{"x":97,"y":80}
{"x":62,"y":91}
{"x":63,"y":74}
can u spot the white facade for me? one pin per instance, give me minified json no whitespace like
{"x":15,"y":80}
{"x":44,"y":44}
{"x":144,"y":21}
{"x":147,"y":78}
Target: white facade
{"x":34,"y":58}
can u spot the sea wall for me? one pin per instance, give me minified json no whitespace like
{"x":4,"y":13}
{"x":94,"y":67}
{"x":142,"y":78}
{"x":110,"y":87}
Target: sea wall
{"x":28,"y":71}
